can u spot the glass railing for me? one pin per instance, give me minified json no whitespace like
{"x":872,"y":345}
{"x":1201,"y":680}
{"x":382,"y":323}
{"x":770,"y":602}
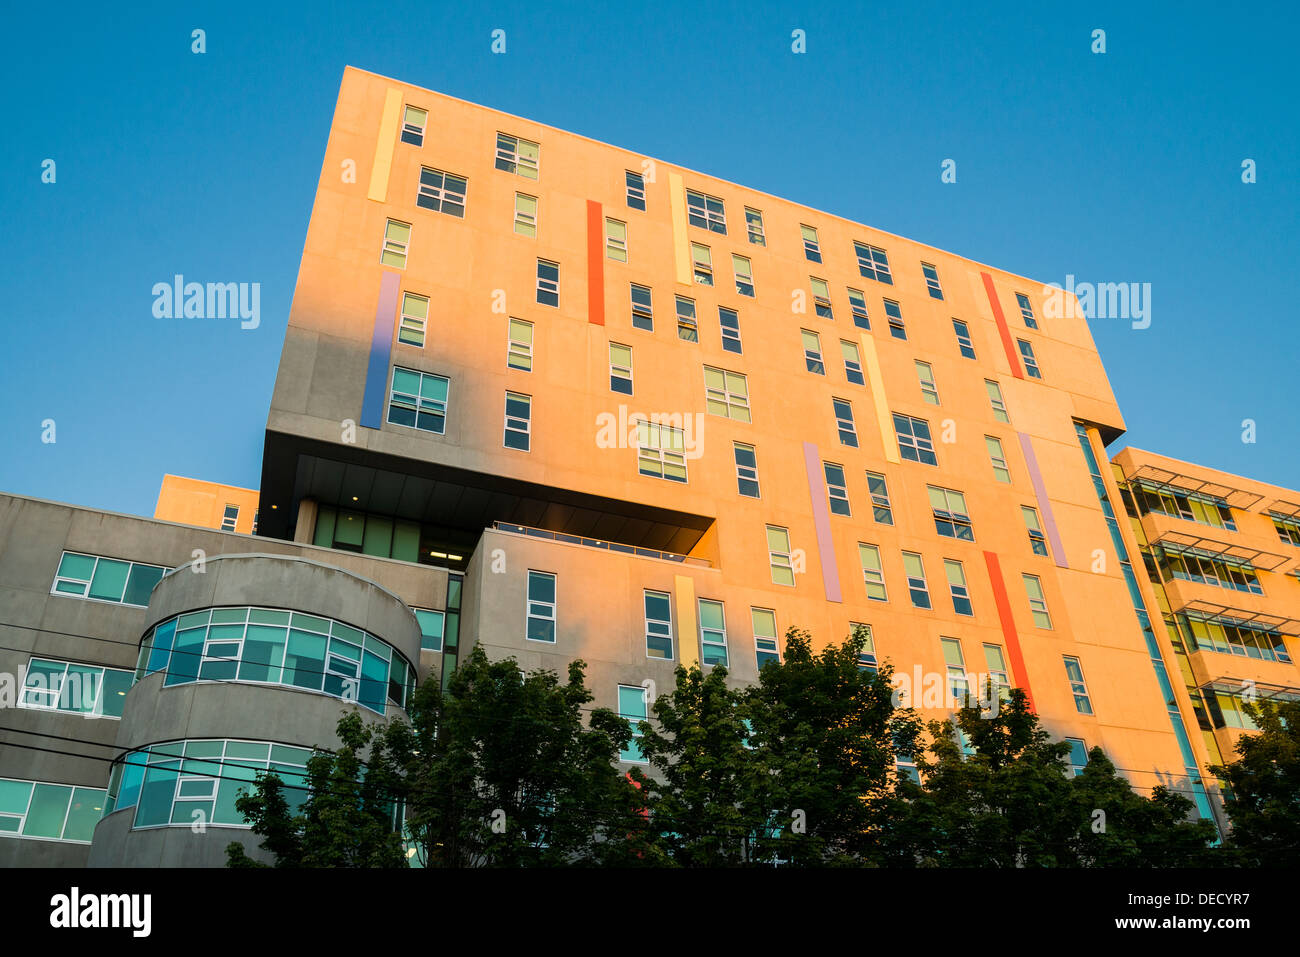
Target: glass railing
{"x":599,"y":543}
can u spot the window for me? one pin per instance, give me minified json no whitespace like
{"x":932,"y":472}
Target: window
{"x":879,"y":490}
{"x":51,"y":812}
{"x":821,"y":293}
{"x":519,"y":353}
{"x":1078,"y":756}
{"x":1037,"y":541}
{"x":525,"y":214}
{"x":852,"y":362}
{"x":686,"y":325}
{"x":1026,"y":310}
{"x":660,"y":451}
{"x":548,"y":282}
{"x":713,"y":633}
{"x":997,"y":665}
{"x":643,"y":316}
{"x":964,"y":344}
{"x":894,"y":313}
{"x":932,"y":281}
{"x":1209,"y":568}
{"x":635,"y":190}
{"x":726,"y":394}
{"x":955,"y":663}
{"x":867,"y":658}
{"x":706,"y":212}
{"x":633,"y":709}
{"x":925,"y":375}
{"x":754,"y":224}
{"x":812,"y":352}
{"x":432,"y":626}
{"x":858,"y":306}
{"x":997,"y":458}
{"x":744,"y":272}
{"x":1287,"y":526}
{"x":397,"y":237}
{"x":1191,"y":506}
{"x":418,"y":400}
{"x":873,"y":574}
{"x":658,"y":625}
{"x":844,"y":422}
{"x":541,"y":607}
{"x":916,"y":580}
{"x":1031,"y":364}
{"x":914,"y":443}
{"x":1232,"y":636}
{"x":415,"y":314}
{"x":995,"y":400}
{"x":702,"y":264}
{"x":778,"y":555}
{"x":616,"y":240}
{"x":1078,"y":687}
{"x":515,"y":155}
{"x":873,"y":263}
{"x":837,"y":488}
{"x":229,"y":516}
{"x":620,"y":368}
{"x":105,"y":579}
{"x":1037,"y":603}
{"x":519,"y":410}
{"x":950,"y":517}
{"x":811,"y":249}
{"x":763,"y":621}
{"x":730,"y":323}
{"x":414,"y":120}
{"x":75,"y":688}
{"x":254,"y":521}
{"x":746,"y":469}
{"x":441,"y":192}
{"x":956,"y":576}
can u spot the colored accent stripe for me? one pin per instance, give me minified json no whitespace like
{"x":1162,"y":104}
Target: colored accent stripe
{"x":1044,"y":503}
{"x":384,"y":145}
{"x":681,"y":248}
{"x":822,"y":522}
{"x":1003,"y":331}
{"x":688,"y":628}
{"x":878,"y":399}
{"x":1018,"y":673}
{"x":381,"y":350}
{"x":595,"y":264}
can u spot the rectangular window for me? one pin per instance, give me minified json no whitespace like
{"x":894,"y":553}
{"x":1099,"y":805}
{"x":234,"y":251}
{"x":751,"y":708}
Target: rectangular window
{"x":526,"y":215}
{"x":397,"y":237}
{"x":956,"y":576}
{"x":754,"y":224}
{"x":1287,"y":526}
{"x":873,"y":575}
{"x":1078,"y":756}
{"x":706,"y":212}
{"x":995,"y":400}
{"x":1026,"y":310}
{"x":105,"y":579}
{"x":766,"y":648}
{"x":730,"y":323}
{"x":778,"y":555}
{"x":916,"y":586}
{"x":1037,"y":603}
{"x":867,"y":657}
{"x":415,"y":315}
{"x":997,"y":458}
{"x":852,"y":362}
{"x":548,"y":282}
{"x":616,"y":240}
{"x":744,"y":273}
{"x":894,"y":313}
{"x":687,"y":329}
{"x":414,"y":121}
{"x":541,"y":607}
{"x":997,"y":665}
{"x":844,"y":422}
{"x":1037,"y":541}
{"x":726,"y":394}
{"x":52,"y":812}
{"x":812,"y":250}
{"x":713,"y":633}
{"x":858,"y":306}
{"x":643,"y":316}
{"x":964,"y":343}
{"x":746,"y":469}
{"x":955,"y":663}
{"x":1031,"y":364}
{"x":1078,"y":687}
{"x":632,"y":709}
{"x":441,"y":192}
{"x":879,"y":490}
{"x":519,"y":411}
{"x":635,"y":190}
{"x":433,"y":624}
{"x":837,"y":488}
{"x":229,"y":516}
{"x":620,"y":368}
{"x":873,"y":263}
{"x":658,"y":625}
{"x":925,"y":375}
{"x":515,"y":155}
{"x":418,"y":400}
{"x":914,"y":442}
{"x":812,"y":351}
{"x":519,"y":352}
{"x":950,"y":517}
{"x":821,"y":294}
{"x":661,"y":451}
{"x":932,"y":281}
{"x":74,"y":688}
{"x":702,"y":264}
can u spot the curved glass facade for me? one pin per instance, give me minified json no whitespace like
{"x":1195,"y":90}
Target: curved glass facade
{"x":274,"y":646}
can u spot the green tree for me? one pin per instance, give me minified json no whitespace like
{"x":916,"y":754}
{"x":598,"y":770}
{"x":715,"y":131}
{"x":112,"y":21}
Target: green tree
{"x":1262,"y":797}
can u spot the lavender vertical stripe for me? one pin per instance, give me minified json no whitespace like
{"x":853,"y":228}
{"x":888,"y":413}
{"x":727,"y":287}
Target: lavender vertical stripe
{"x":1044,"y":503}
{"x":822,"y":522}
{"x":381,"y":351}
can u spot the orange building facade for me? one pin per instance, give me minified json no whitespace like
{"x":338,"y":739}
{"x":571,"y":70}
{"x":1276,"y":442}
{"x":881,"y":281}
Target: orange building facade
{"x":207,"y":504}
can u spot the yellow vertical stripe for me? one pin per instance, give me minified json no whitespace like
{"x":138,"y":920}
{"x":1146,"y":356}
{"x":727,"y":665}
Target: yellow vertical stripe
{"x":384,"y":145}
{"x":688,"y":629}
{"x":878,"y":398}
{"x":681,"y":250}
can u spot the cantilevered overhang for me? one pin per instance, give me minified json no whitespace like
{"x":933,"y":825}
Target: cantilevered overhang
{"x":1227,"y":614}
{"x":1165,"y":480}
{"x":1256,"y":557}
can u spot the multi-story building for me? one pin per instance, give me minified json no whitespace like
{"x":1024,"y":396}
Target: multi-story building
{"x":561,"y":400}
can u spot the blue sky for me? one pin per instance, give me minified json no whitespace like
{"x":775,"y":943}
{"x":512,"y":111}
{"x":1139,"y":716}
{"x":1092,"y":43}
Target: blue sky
{"x":1115,"y":167}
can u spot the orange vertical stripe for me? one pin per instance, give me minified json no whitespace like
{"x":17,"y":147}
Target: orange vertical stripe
{"x":1018,"y":673}
{"x":1003,"y":331}
{"x":595,"y":264}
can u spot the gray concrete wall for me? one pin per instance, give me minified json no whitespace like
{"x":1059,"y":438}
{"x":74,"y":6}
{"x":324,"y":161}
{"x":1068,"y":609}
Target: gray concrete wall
{"x":116,"y":845}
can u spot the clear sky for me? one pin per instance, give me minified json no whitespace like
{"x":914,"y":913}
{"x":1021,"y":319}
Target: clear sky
{"x":1117,"y":167}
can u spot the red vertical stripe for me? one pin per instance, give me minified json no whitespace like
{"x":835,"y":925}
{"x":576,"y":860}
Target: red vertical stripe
{"x":1020,"y":677}
{"x":595,"y":264}
{"x":1010,"y":347}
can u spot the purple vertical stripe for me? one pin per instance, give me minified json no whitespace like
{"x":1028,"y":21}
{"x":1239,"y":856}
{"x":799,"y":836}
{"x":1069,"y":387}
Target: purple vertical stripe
{"x":381,"y":351}
{"x":1044,"y":503}
{"x":822,"y":522}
